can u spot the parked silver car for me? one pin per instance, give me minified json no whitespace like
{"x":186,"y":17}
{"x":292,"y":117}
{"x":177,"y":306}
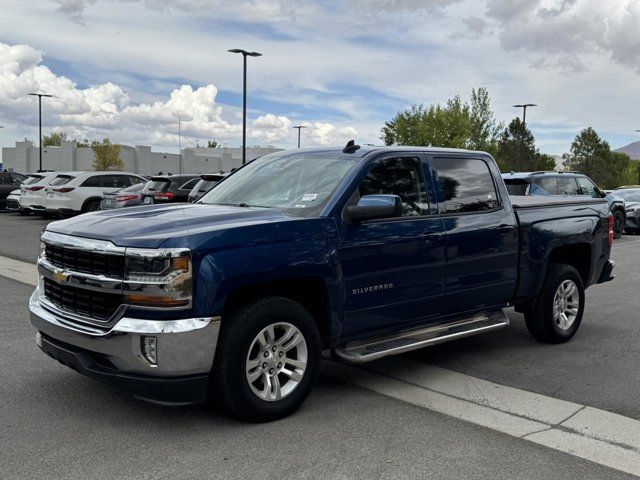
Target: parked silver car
{"x":126,"y":197}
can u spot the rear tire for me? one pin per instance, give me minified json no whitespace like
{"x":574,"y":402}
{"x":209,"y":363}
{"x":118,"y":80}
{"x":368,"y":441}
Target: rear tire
{"x":555,"y":315}
{"x":91,"y":206}
{"x":252,"y":370}
{"x":618,"y":224}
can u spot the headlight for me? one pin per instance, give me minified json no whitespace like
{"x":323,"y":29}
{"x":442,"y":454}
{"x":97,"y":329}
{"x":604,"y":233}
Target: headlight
{"x":158,"y":278}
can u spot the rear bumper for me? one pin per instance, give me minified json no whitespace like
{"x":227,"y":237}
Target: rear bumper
{"x":607,"y":272}
{"x":185,"y":351}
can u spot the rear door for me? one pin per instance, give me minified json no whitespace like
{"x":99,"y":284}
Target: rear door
{"x":393,"y":268}
{"x":481,"y":234}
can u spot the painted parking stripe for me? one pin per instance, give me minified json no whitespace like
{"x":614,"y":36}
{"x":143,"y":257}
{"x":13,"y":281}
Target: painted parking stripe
{"x":599,"y":436}
{"x":596,"y":435}
{"x":22,"y":272}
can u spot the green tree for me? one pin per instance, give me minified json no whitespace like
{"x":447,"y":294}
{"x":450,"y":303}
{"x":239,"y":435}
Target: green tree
{"x":212,"y":144}
{"x":517,"y":150}
{"x":457,"y":124}
{"x":54,"y":139}
{"x":106,"y":156}
{"x":592,"y":156}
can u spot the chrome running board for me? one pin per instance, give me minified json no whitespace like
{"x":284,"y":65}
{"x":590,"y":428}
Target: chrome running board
{"x":362,"y":351}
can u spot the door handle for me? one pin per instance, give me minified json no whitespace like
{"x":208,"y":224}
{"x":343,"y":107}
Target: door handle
{"x":430,"y":233}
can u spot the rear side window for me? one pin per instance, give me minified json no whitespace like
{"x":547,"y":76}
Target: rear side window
{"x":136,"y":180}
{"x":115,"y":181}
{"x":61,"y":180}
{"x":567,"y":186}
{"x":517,"y":186}
{"x":402,"y":177}
{"x":92,"y":182}
{"x":549,"y":185}
{"x":5,"y":179}
{"x":465,"y":185}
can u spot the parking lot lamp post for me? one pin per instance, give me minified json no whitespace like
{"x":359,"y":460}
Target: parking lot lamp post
{"x":245,"y":54}
{"x":40,"y":95}
{"x":299,"y":127}
{"x":524,"y":111}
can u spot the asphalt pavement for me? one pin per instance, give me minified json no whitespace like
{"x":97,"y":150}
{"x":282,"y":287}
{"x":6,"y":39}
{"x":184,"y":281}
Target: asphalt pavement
{"x":55,"y":423}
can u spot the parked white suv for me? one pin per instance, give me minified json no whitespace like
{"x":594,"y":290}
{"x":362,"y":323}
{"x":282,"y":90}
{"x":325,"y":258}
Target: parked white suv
{"x":32,"y":191}
{"x":73,"y":193}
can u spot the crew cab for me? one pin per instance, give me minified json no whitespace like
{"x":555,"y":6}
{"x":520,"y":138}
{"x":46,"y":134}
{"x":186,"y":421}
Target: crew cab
{"x":357,"y":252}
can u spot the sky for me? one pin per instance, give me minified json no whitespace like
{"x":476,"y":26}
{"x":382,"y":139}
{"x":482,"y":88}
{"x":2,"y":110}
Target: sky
{"x":128,"y":69}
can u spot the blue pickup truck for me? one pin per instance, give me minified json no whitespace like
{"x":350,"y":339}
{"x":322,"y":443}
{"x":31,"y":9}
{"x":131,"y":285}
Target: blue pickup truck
{"x":357,"y":252}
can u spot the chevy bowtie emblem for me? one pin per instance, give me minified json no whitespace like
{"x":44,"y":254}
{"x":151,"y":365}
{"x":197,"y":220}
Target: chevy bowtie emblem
{"x":60,"y":276}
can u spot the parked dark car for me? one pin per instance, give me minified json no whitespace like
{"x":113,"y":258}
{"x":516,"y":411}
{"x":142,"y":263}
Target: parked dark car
{"x":631,"y":197}
{"x":9,"y":181}
{"x":168,"y":188}
{"x":127,"y":197}
{"x":206,"y":183}
{"x":565,"y":183}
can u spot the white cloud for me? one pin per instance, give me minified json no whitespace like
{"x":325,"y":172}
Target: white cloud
{"x":107,"y":110}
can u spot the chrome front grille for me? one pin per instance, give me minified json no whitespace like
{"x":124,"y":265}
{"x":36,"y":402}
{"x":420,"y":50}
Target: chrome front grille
{"x":94,"y":263}
{"x":93,"y":304}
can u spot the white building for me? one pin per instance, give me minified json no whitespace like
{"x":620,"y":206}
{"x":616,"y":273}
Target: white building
{"x":138,"y":159}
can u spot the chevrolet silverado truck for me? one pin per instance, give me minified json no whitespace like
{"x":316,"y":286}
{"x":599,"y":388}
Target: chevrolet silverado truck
{"x":353,"y":253}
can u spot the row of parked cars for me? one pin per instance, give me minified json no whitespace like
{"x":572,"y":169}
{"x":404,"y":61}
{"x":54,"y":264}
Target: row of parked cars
{"x":70,"y":193}
{"x":624,"y":202}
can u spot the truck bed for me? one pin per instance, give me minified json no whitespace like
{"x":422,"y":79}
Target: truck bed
{"x":534,"y":201}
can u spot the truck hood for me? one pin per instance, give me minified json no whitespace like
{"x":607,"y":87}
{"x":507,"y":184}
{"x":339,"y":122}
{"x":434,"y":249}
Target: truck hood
{"x":150,"y":226}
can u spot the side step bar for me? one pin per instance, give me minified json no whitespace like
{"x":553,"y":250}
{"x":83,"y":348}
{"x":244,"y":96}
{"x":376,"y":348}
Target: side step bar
{"x":362,"y":351}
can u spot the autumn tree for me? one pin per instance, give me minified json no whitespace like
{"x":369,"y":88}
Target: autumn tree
{"x":106,"y":156}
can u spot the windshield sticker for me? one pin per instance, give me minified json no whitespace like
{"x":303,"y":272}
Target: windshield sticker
{"x":309,"y":197}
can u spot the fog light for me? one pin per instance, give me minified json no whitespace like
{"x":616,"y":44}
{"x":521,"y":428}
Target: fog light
{"x":39,"y":339}
{"x":149,"y":350}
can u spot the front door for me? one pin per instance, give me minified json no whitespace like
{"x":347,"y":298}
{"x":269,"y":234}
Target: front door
{"x":393,"y":269}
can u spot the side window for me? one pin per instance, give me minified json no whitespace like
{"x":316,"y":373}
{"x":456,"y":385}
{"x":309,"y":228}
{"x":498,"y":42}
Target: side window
{"x":136,"y":180}
{"x":567,"y":186}
{"x":587,"y":187}
{"x":190,"y":184}
{"x":115,"y":181}
{"x":402,"y":177}
{"x":92,"y":182}
{"x":548,"y":184}
{"x":466,"y":185}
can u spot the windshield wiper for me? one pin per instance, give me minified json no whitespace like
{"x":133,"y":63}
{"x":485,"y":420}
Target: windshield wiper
{"x":241,"y":204}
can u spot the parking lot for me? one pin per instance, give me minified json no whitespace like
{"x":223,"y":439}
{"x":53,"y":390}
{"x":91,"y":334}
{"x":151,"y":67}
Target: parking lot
{"x":58,"y":424}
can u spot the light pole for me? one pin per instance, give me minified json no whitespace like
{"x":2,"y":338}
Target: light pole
{"x":524,"y":111}
{"x":245,"y":54}
{"x":40,"y":95}
{"x":299,"y":127}
{"x":180,"y":143}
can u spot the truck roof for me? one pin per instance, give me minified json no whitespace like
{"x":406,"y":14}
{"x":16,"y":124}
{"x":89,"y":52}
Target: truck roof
{"x":367,"y":149}
{"x":541,"y":172}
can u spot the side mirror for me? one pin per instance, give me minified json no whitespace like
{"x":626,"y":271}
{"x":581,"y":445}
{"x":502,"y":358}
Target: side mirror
{"x":372,"y":207}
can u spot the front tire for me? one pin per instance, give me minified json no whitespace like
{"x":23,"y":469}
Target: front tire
{"x":555,"y":315}
{"x":267,"y":360}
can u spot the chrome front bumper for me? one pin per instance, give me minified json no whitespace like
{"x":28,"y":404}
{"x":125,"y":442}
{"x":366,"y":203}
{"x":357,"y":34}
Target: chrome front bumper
{"x":184,"y":346}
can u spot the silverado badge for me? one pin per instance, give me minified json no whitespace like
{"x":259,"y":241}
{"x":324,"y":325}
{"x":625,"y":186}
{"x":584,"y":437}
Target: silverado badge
{"x":60,"y":276}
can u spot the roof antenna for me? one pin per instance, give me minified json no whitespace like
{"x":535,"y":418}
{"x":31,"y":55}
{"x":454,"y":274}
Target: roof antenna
{"x":350,"y":147}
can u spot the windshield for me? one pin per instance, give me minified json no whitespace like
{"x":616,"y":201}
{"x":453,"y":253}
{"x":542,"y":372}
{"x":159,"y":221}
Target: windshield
{"x":628,"y":195}
{"x":293,"y":181}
